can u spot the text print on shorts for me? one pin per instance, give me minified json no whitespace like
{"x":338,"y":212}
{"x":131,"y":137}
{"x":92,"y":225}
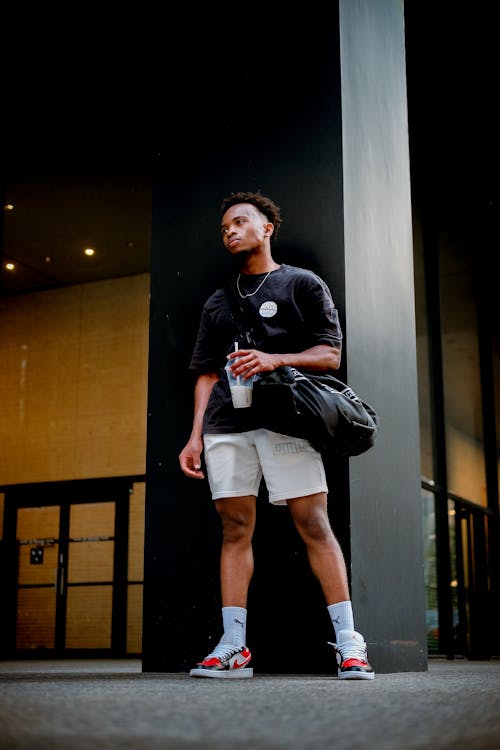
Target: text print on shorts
{"x":283,"y":449}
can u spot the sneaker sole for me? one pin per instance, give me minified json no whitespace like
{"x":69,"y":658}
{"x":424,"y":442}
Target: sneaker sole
{"x":231,"y":674}
{"x":356,"y":675}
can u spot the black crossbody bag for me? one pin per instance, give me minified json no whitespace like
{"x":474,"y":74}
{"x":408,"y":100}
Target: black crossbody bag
{"x":316,"y":406}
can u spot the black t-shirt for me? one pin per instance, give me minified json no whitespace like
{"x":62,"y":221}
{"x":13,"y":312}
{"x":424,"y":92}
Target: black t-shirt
{"x":295,"y":311}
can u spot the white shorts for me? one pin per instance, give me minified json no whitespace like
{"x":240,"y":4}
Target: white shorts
{"x":237,"y":462}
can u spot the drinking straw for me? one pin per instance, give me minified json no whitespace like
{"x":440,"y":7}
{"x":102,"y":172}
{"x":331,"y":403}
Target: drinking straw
{"x":236,"y":349}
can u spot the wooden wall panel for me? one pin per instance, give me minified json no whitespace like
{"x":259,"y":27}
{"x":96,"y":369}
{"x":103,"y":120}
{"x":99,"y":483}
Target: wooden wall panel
{"x":46,"y":573}
{"x":38,"y":523}
{"x":90,"y":561}
{"x":136,"y":533}
{"x":134,"y":619}
{"x":92,"y":519}
{"x":88,"y":619}
{"x":36,"y":618}
{"x":73,"y":382}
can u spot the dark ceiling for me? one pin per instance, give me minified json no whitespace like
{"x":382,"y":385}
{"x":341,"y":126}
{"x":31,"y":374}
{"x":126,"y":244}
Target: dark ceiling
{"x":79,"y":152}
{"x":56,"y":217}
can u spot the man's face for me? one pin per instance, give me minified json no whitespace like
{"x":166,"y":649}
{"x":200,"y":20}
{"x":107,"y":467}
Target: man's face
{"x":244,"y":228}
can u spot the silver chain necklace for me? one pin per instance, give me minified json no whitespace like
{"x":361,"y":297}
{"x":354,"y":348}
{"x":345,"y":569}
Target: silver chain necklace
{"x":244,"y":296}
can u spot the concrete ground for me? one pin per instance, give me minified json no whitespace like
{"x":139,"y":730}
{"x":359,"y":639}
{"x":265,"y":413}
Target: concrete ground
{"x":112,"y":704}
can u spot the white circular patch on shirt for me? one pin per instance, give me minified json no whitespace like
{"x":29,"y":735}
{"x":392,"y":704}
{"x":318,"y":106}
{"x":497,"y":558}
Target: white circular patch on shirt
{"x":268,"y":309}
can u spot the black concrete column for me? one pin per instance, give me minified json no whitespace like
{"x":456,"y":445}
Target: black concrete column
{"x":272,"y":120}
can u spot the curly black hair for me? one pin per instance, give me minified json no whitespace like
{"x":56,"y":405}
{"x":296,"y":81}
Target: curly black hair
{"x":265,"y":205}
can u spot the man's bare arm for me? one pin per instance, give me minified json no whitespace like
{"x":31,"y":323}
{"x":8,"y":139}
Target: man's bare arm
{"x":251,"y":361}
{"x":190,"y":456}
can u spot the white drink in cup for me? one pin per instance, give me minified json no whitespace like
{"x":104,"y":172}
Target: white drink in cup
{"x":241,"y":389}
{"x":241,"y":395}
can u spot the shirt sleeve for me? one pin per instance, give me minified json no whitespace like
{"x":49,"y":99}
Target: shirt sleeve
{"x":319,"y":312}
{"x":204,"y":353}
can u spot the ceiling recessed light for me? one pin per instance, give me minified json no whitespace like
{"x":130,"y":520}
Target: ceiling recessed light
{"x":89,"y":251}
{"x":9,"y":206}
{"x":9,"y":266}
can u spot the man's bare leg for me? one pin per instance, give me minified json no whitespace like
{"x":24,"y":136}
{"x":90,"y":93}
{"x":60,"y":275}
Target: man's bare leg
{"x":328,"y":565}
{"x":230,"y":658}
{"x":238,"y":516}
{"x":323,"y":550}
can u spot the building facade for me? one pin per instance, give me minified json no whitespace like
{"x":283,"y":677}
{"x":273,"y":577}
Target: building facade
{"x":75,"y":345}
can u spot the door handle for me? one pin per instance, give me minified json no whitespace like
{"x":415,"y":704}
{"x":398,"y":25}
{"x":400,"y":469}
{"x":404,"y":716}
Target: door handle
{"x":61,"y":573}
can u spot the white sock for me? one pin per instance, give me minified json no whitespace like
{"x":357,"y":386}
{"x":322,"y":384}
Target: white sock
{"x":342,"y":617}
{"x":234,"y":620}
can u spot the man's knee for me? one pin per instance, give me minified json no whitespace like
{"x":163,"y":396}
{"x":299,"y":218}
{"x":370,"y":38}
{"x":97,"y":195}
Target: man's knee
{"x":237,"y":522}
{"x":236,"y":529}
{"x":316,"y":527}
{"x":312,"y":521}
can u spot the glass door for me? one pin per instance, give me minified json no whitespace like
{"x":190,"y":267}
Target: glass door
{"x":72,"y":569}
{"x":37,"y":537}
{"x":88,"y":576}
{"x":65,"y":577}
{"x":67,"y":563}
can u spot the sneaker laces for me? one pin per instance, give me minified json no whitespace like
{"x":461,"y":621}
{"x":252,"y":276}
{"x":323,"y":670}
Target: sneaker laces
{"x":224,"y":651}
{"x":350,"y":650}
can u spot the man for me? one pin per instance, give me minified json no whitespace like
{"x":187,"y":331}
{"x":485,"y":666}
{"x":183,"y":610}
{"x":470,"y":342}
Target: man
{"x":299,"y":328}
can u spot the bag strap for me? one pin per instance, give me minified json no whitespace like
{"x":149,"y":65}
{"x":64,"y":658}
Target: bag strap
{"x":239,"y":313}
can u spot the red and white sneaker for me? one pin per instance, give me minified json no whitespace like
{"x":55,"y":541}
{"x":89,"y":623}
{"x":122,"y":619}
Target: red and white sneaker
{"x":225,"y":661}
{"x":351,"y":656}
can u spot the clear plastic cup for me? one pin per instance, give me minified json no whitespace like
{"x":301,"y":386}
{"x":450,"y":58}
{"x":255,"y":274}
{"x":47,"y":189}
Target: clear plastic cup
{"x":241,"y":389}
